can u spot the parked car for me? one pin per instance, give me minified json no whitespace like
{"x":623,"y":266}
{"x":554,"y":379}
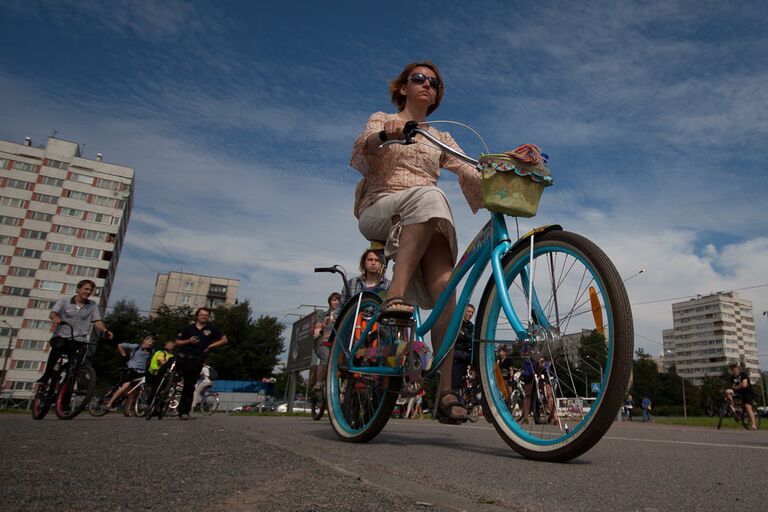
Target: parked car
{"x":763,"y":411}
{"x":298,"y":406}
{"x":246,"y":407}
{"x":265,"y":406}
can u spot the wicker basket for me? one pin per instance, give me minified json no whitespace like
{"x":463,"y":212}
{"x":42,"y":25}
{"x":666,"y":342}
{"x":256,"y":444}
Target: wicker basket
{"x":512,"y":187}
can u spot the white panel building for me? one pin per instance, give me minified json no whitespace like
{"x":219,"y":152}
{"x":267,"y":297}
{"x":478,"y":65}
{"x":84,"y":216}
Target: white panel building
{"x":709,"y":333}
{"x":62,"y":219}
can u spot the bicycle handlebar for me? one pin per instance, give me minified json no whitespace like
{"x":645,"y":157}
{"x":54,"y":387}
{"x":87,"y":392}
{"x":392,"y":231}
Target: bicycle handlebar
{"x":411,"y":128}
{"x":326,"y":269}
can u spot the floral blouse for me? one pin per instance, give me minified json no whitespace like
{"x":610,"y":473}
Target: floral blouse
{"x":402,"y":167}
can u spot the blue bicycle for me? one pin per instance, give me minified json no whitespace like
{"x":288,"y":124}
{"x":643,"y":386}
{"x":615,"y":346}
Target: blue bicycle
{"x":551,"y":295}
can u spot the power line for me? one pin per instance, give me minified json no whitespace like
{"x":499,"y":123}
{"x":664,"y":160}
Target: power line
{"x":697,"y":295}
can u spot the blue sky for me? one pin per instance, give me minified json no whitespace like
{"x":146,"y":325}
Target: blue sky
{"x":239,"y":119}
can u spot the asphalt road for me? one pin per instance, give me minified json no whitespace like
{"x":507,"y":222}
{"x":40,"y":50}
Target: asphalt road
{"x":295,"y":464}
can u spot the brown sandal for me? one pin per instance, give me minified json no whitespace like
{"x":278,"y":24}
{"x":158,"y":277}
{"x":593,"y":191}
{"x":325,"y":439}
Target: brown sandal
{"x":397,"y":307}
{"x":443,"y":410}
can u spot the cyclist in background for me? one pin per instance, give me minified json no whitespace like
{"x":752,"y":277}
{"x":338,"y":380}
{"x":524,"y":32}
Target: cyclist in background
{"x":371,"y":276}
{"x":193,"y":343}
{"x":157,"y":366}
{"x":204,"y":382}
{"x":740,"y":384}
{"x":321,"y":336}
{"x":79,"y":312}
{"x":138,"y":361}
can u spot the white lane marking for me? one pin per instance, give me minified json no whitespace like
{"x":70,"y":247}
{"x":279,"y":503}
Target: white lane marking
{"x":692,"y":443}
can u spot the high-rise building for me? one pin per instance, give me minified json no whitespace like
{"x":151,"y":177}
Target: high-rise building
{"x":178,"y":289}
{"x":708,"y":334}
{"x":62,"y":219}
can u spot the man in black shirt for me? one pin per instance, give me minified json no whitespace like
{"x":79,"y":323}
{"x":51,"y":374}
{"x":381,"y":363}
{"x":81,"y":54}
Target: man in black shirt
{"x":741,"y":385}
{"x":192,"y":346}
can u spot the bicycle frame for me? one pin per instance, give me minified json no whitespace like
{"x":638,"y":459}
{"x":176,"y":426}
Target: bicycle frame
{"x":489,"y":245}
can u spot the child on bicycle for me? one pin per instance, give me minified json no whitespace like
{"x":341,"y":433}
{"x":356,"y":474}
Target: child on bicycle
{"x":398,"y":201}
{"x":138,"y":359}
{"x":158,"y":365}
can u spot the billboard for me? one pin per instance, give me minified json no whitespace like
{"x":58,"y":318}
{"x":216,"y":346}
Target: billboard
{"x":300,"y":352}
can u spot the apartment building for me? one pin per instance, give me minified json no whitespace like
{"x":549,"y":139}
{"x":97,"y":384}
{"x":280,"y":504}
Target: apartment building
{"x":709,"y":333}
{"x":63,"y":218}
{"x":177,"y":289}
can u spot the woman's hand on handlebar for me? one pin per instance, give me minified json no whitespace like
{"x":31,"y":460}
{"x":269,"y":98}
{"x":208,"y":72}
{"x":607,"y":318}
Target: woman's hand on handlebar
{"x":394,"y":129}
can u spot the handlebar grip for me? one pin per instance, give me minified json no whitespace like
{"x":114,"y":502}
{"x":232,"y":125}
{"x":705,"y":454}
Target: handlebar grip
{"x":383,"y":136}
{"x":408,"y":129}
{"x":325,"y":269}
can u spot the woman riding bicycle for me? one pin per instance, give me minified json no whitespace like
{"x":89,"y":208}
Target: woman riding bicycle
{"x":397,"y":201}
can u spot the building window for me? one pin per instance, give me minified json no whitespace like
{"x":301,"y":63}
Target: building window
{"x":45,"y":217}
{"x":82,"y":178}
{"x":105,"y":201}
{"x":74,"y":194}
{"x":12,"y":201}
{"x":22,"y":272}
{"x":189,"y":286}
{"x":107,"y":184}
{"x":4,"y":260}
{"x":15,"y":290}
{"x":3,"y":163}
{"x":50,"y":180}
{"x":10,"y":221}
{"x":34,"y":235}
{"x":217,"y":288}
{"x":98,"y":236}
{"x":55,"y":266}
{"x":66,"y":230}
{"x":80,"y":270}
{"x":45,"y":198}
{"x":37,"y":324}
{"x":87,"y":252}
{"x":101,"y":218}
{"x":22,"y":385}
{"x":41,"y":304}
{"x":72,"y":212}
{"x":28,"y":253}
{"x":5,"y":332}
{"x":24,"y":166}
{"x":8,"y":311}
{"x":32,"y":344}
{"x":62,"y":248}
{"x":20,"y":184}
{"x":51,"y":285}
{"x":57,"y":164}
{"x":7,"y":240}
{"x":185,"y":299}
{"x":27,"y":365}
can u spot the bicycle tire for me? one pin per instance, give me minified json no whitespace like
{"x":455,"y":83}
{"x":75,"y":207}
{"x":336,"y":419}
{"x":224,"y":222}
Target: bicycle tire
{"x":572,"y":273}
{"x":141,"y":404}
{"x":359,"y":406}
{"x":157,"y":403}
{"x":75,"y":392}
{"x":96,"y":407}
{"x":44,"y":397}
{"x":209,"y":404}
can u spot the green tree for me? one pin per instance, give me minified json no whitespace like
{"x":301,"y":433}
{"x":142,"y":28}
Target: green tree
{"x":127,"y":326}
{"x":645,"y":377}
{"x":168,"y":321}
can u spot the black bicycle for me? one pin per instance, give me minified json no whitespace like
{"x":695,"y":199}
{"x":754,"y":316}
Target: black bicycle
{"x":732,"y":407}
{"x":72,"y":382}
{"x":165,"y":392}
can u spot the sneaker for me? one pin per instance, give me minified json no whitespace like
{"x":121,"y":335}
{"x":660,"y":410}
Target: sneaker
{"x":183,"y":416}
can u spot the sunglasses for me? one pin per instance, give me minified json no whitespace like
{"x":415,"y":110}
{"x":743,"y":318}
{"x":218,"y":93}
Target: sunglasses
{"x":420,"y":78}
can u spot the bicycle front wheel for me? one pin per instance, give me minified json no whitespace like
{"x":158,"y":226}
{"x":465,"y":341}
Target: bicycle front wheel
{"x":580,"y":329}
{"x":141,"y":403}
{"x":97,"y":407}
{"x":44,"y":397}
{"x":209,"y":404}
{"x":75,"y":392}
{"x":359,"y":405}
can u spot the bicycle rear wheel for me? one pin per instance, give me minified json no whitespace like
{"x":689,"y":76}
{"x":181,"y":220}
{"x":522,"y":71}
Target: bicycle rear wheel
{"x":97,"y":407}
{"x":358,"y":405}
{"x":75,"y":392}
{"x":141,"y":403}
{"x":580,"y":322}
{"x":209,"y":404}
